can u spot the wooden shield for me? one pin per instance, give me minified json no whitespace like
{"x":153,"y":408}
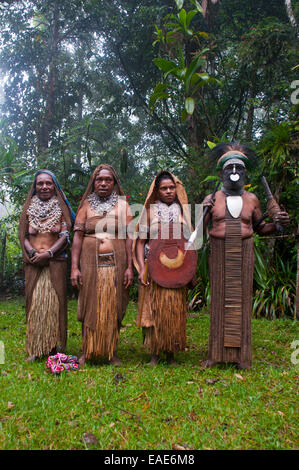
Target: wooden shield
{"x":169,"y":264}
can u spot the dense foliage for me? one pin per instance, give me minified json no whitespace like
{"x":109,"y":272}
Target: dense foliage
{"x":144,"y":86}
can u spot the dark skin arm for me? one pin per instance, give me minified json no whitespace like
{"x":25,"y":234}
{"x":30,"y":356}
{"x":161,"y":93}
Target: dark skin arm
{"x":140,"y":259}
{"x":76,"y":277}
{"x":41,"y":259}
{"x":282,"y":218}
{"x":128,"y":274}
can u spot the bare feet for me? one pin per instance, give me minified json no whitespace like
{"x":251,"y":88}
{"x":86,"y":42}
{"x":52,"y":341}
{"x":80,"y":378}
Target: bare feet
{"x":114,"y":361}
{"x":244,"y":365}
{"x":208,"y":363}
{"x":32,"y":358}
{"x":170,"y":359}
{"x":154,"y":360}
{"x":82,"y":361}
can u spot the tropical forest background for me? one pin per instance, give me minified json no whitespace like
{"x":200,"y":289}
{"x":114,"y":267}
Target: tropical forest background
{"x":150,"y":85}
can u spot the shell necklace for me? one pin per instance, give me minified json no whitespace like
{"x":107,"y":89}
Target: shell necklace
{"x":102,"y":205}
{"x":44,"y":215}
{"x":165,"y":213}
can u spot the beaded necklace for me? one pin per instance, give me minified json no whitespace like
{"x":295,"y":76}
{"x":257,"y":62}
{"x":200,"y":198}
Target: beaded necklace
{"x":44,"y":215}
{"x":167,"y":213}
{"x":102,"y":205}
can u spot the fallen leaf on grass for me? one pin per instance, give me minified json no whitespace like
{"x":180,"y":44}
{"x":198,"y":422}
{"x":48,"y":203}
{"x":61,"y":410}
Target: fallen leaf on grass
{"x":146,"y":406}
{"x":89,"y":439}
{"x":180,"y":447}
{"x":280,"y":413}
{"x":111,"y":425}
{"x":73,"y":424}
{"x":239,"y":376}
{"x":141,"y":395}
{"x":211,"y":381}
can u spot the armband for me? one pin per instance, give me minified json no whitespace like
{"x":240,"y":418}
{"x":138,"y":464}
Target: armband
{"x":51,"y":253}
{"x":79,"y":227}
{"x":65,"y":233}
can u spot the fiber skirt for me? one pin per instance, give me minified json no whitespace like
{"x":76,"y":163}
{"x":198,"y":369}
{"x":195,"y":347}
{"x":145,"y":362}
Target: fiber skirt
{"x":43,"y":318}
{"x":102,"y":341}
{"x":168,"y":310}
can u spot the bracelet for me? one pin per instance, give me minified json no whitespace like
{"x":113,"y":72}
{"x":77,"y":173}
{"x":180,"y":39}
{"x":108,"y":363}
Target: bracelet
{"x":51,"y":253}
{"x":31,"y":253}
{"x":65,"y":233}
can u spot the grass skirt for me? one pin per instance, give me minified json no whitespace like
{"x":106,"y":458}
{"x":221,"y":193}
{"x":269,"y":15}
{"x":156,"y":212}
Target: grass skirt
{"x":102,"y":341}
{"x":43,"y":317}
{"x":169,"y":317}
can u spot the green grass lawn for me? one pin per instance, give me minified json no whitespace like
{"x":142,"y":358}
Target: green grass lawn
{"x":136,"y":406}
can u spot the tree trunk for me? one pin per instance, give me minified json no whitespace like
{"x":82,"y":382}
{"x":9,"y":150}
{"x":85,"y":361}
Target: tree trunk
{"x":250,"y":114}
{"x":290,"y":13}
{"x":297,"y":286}
{"x":2,"y":259}
{"x":47,"y":121}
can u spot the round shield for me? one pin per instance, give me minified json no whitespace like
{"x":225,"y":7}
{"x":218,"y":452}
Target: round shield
{"x":169,"y":264}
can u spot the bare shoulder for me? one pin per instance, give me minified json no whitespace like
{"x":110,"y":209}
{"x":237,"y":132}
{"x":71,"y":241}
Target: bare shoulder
{"x":81,"y":214}
{"x":207,"y":198}
{"x":251,"y":197}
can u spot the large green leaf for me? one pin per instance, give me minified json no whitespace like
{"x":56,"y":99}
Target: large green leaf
{"x":189,"y":105}
{"x":179,"y":4}
{"x":164,"y":64}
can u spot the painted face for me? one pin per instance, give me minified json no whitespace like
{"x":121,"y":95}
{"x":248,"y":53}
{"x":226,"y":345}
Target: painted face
{"x":167,"y":191}
{"x":234,"y":176}
{"x":104,"y":183}
{"x":44,"y":187}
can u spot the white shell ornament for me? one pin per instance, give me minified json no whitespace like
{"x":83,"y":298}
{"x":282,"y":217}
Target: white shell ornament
{"x":234,"y":205}
{"x":234,"y":177}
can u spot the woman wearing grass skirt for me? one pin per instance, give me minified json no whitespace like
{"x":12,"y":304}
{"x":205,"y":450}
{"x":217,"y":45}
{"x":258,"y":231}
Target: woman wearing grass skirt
{"x":45,"y":223}
{"x":162,"y":309}
{"x":102,"y":264}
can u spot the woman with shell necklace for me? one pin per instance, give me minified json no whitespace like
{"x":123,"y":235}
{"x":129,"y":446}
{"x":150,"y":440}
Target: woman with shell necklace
{"x":162,"y":299}
{"x":45,"y":223}
{"x":102,"y":264}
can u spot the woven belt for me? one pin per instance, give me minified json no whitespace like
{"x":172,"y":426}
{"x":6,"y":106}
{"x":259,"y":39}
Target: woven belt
{"x":106,"y":259}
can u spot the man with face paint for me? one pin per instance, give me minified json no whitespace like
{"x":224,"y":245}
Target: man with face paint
{"x":233,"y":215}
